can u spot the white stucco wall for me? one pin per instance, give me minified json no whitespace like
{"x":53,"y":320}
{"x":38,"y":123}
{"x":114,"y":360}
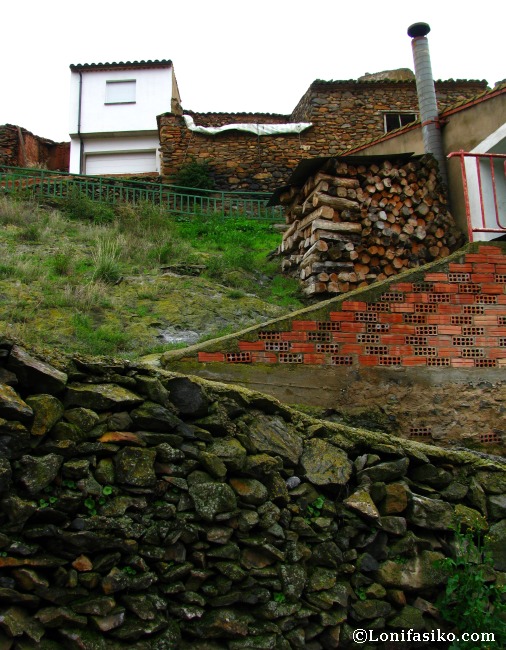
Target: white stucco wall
{"x":494,"y":143}
{"x":153,"y":96}
{"x":93,"y":146}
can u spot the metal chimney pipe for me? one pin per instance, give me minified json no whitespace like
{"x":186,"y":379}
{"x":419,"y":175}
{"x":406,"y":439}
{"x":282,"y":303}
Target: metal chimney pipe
{"x":429,"y":115}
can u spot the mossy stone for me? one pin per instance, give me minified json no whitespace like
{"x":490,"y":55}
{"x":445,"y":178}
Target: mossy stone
{"x":47,"y":409}
{"x":135,"y":466}
{"x":272,"y":435}
{"x":325,"y":464}
{"x":12,"y":406}
{"x":37,"y":472}
{"x":101,"y":397}
{"x":84,"y":419}
{"x":370,"y":609}
{"x":419,"y":572}
{"x":249,"y":490}
{"x":230,"y":451}
{"x":409,"y":618}
{"x":361,"y":502}
{"x":430,"y":513}
{"x":211,"y":499}
{"x":151,"y":416}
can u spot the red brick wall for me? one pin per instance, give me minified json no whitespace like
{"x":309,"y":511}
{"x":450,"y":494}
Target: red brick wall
{"x":453,"y":318}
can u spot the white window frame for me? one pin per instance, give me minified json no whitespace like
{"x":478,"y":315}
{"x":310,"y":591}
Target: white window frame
{"x":117,"y":86}
{"x":398,"y":114}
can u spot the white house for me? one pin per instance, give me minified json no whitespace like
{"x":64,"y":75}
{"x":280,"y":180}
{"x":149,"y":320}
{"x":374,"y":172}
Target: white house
{"x":113,"y":109}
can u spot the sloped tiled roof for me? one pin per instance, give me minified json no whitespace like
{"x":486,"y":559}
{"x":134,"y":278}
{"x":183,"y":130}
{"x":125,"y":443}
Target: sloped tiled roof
{"x":156,"y":63}
{"x":397,"y":82}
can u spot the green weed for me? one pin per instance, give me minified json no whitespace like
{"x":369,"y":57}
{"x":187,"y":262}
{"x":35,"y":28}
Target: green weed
{"x":470,"y":601}
{"x":102,"y":340}
{"x":105,"y":260}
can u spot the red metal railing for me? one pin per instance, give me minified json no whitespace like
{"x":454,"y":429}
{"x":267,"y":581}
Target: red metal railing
{"x":484,"y":191}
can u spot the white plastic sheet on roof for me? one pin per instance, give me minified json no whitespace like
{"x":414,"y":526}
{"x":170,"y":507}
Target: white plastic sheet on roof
{"x":257,"y":129}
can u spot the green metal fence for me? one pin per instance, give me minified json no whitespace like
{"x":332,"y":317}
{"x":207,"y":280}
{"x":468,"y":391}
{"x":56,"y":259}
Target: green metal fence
{"x":176,"y":200}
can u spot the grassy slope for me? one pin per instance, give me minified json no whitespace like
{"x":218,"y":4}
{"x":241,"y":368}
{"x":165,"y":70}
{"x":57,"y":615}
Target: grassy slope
{"x":86,"y":279}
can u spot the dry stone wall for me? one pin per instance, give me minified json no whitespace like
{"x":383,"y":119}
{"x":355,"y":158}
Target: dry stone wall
{"x":20,"y":148}
{"x":153,"y":510}
{"x":343,"y":113}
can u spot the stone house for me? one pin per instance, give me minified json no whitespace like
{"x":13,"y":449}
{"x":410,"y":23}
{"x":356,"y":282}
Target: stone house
{"x":340,"y":115}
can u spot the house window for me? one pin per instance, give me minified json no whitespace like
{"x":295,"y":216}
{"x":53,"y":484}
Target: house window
{"x":396,"y":120}
{"x":120,"y":92}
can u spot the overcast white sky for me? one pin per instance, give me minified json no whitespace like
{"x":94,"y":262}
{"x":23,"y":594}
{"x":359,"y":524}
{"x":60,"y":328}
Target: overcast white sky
{"x":234,"y":56}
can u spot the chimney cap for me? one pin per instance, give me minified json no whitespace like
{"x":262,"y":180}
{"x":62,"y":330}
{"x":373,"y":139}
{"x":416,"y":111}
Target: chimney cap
{"x":418,"y":29}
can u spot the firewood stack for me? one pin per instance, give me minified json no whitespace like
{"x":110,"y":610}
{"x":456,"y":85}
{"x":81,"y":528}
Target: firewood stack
{"x":353,"y":224}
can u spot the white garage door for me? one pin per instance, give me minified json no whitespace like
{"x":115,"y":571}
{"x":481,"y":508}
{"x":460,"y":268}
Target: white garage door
{"x":127,"y":162}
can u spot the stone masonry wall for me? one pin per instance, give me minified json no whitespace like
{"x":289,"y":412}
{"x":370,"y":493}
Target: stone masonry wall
{"x":20,"y":148}
{"x":343,"y":113}
{"x":349,"y":114}
{"x":150,"y":510}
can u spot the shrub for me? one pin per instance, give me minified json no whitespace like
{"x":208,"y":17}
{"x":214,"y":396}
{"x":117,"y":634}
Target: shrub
{"x":196,"y":175}
{"x":470,"y":601}
{"x":61,"y":263}
{"x":77,"y":205}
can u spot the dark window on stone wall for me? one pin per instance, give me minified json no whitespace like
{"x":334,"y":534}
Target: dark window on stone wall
{"x":396,"y":120}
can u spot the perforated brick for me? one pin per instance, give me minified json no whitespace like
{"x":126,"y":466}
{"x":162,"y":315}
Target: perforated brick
{"x":341,"y":361}
{"x":326,"y":326}
{"x":469,"y":288}
{"x":423,"y":287}
{"x":474,"y":309}
{"x":426,"y":330}
{"x":459,"y":277}
{"x":462,"y":340}
{"x":420,"y":432}
{"x":327,"y":347}
{"x":389,"y":361}
{"x":425,"y":309}
{"x":425,"y":351}
{"x":319,"y":336}
{"x":500,"y":278}
{"x":485,"y":363}
{"x":378,"y":306}
{"x":376,"y":349}
{"x":461,"y":320}
{"x":473,"y":331}
{"x":490,"y":438}
{"x":392,"y":296}
{"x":265,"y":335}
{"x":501,"y":320}
{"x":377,"y":327}
{"x":486,"y":300}
{"x":365,"y":317}
{"x":439,"y":297}
{"x":277,"y":346}
{"x":441,"y":362}
{"x":368,"y":338}
{"x":287,"y":357}
{"x":502,"y":342}
{"x":416,"y":340}
{"x":415,"y":318}
{"x":238,"y":357}
{"x":472,"y":353}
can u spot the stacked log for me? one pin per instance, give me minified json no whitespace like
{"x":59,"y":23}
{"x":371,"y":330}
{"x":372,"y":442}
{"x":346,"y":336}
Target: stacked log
{"x":353,"y":224}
